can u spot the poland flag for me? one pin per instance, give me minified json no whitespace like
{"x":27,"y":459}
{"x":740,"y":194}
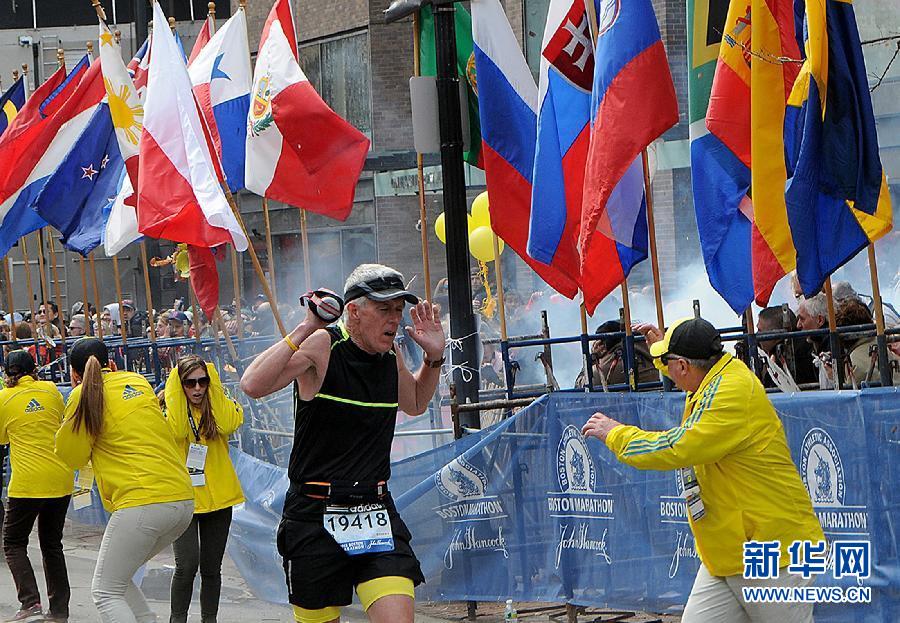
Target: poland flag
{"x":178,"y":196}
{"x":299,"y":151}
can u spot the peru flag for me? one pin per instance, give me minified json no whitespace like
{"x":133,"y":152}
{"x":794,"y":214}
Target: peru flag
{"x":299,"y":151}
{"x":178,"y":193}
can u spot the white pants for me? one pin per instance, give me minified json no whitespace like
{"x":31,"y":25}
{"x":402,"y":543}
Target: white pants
{"x":133,"y":536}
{"x":720,"y":600}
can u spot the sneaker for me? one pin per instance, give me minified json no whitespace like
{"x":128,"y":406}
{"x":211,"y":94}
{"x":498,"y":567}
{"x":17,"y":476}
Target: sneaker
{"x":34,"y":613}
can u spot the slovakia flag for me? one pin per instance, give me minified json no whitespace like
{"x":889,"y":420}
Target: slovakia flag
{"x":299,"y":151}
{"x":179,"y":196}
{"x":632,"y":103}
{"x":221,"y":76}
{"x":507,"y":98}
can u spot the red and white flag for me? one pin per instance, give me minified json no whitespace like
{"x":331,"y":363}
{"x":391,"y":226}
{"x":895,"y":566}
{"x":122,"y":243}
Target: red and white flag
{"x":299,"y":151}
{"x":178,"y":196}
{"x":203,"y":38}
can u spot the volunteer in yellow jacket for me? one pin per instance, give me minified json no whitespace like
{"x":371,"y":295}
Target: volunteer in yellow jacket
{"x":735,"y":467}
{"x":202,"y":416}
{"x":113,"y":419}
{"x":30,"y":414}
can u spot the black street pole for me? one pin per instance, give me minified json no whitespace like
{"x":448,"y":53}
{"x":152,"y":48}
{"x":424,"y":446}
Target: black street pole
{"x":462,"y":320}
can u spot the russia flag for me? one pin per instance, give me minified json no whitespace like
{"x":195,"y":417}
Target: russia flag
{"x":221,"y":76}
{"x":507,"y":100}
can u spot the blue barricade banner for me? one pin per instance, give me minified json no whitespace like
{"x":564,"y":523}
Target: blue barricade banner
{"x":529,"y":510}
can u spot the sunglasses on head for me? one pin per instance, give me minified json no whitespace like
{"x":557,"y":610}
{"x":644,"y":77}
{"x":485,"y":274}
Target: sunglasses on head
{"x":667,"y":358}
{"x":203,"y":381}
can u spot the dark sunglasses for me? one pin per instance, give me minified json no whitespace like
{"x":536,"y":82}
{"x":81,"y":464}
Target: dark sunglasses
{"x":203,"y":381}
{"x":667,"y":358}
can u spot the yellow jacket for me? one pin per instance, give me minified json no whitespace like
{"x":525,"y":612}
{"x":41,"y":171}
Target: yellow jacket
{"x":135,"y":458}
{"x":222,"y":488}
{"x":750,"y":488}
{"x":30,"y":415}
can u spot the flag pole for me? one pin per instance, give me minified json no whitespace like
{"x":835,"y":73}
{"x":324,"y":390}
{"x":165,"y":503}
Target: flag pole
{"x":884,"y":367}
{"x":304,"y":239}
{"x":58,"y":292}
{"x":85,"y":301}
{"x":96,"y":294}
{"x":270,"y":264}
{"x":255,"y":258}
{"x":9,"y":297}
{"x":834,"y":341}
{"x":122,"y":330}
{"x":654,"y":255}
{"x":151,"y":319}
{"x":220,"y":322}
{"x":499,"y":272}
{"x":28,"y":285}
{"x":236,"y":284}
{"x":420,"y":170}
{"x":211,"y":16}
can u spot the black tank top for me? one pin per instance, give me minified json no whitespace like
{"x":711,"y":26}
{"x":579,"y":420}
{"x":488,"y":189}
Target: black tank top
{"x":344,"y":434}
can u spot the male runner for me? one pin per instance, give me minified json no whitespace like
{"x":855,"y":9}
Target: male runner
{"x":340,"y":528}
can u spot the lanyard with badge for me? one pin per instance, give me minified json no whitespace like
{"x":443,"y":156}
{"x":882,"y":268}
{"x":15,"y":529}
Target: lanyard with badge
{"x":362,"y":529}
{"x":690,"y":491}
{"x":196,"y":458}
{"x":81,"y":497}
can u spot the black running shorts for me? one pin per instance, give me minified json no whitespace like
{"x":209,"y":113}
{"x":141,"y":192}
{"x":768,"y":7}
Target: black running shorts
{"x":319,"y":573}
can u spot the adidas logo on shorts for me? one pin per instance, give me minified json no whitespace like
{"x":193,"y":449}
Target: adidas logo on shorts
{"x":33,"y":406}
{"x":129,"y":392}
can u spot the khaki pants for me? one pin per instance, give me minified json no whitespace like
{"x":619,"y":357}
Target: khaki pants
{"x":720,"y":600}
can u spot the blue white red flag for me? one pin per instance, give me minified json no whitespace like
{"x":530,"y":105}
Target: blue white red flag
{"x":77,"y":196}
{"x":38,"y":141}
{"x":221,"y":76}
{"x":507,"y":100}
{"x":632,"y":103}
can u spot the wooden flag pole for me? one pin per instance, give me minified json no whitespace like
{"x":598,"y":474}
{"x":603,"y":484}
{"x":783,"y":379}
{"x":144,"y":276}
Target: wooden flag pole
{"x":151,"y":316}
{"x":236,"y":283}
{"x":96,"y":294}
{"x":220,"y":322}
{"x":304,"y":239}
{"x":255,"y":259}
{"x":45,"y":296}
{"x":420,"y":169}
{"x":834,"y":340}
{"x":9,"y":297}
{"x":122,"y":329}
{"x":30,"y":290}
{"x":654,"y":255}
{"x":271,"y":256}
{"x":499,"y":270}
{"x":85,"y":302}
{"x":884,"y":367}
{"x":58,"y":292}
{"x":196,"y":317}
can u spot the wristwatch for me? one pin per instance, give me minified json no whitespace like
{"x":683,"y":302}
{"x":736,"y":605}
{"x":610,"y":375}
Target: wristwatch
{"x":434,"y":364}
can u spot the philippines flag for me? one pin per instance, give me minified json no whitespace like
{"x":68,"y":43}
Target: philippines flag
{"x":507,"y":99}
{"x":299,"y":151}
{"x":221,"y":76}
{"x":633,"y":102}
{"x":179,"y":197}
{"x":32,"y":151}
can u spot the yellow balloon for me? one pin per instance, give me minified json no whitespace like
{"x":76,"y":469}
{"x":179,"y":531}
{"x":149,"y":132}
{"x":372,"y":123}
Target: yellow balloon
{"x":440,"y":229}
{"x":481,"y":244}
{"x":481,"y":215}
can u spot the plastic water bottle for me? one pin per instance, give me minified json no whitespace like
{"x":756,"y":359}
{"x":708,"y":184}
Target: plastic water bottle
{"x":510,"y":613}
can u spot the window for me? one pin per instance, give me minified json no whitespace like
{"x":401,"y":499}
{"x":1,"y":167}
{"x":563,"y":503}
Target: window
{"x":339,"y":71}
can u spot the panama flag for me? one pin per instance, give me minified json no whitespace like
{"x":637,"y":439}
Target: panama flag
{"x":299,"y":151}
{"x":632,"y":103}
{"x":178,"y":193}
{"x":221,"y":77}
{"x":38,"y":141}
{"x":507,"y":99}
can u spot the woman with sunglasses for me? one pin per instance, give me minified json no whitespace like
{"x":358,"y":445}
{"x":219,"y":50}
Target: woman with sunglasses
{"x":114,"y":421}
{"x":202,"y":416}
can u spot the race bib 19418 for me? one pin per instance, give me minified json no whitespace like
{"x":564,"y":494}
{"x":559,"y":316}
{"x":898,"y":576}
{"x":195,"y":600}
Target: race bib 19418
{"x":362,"y":529}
